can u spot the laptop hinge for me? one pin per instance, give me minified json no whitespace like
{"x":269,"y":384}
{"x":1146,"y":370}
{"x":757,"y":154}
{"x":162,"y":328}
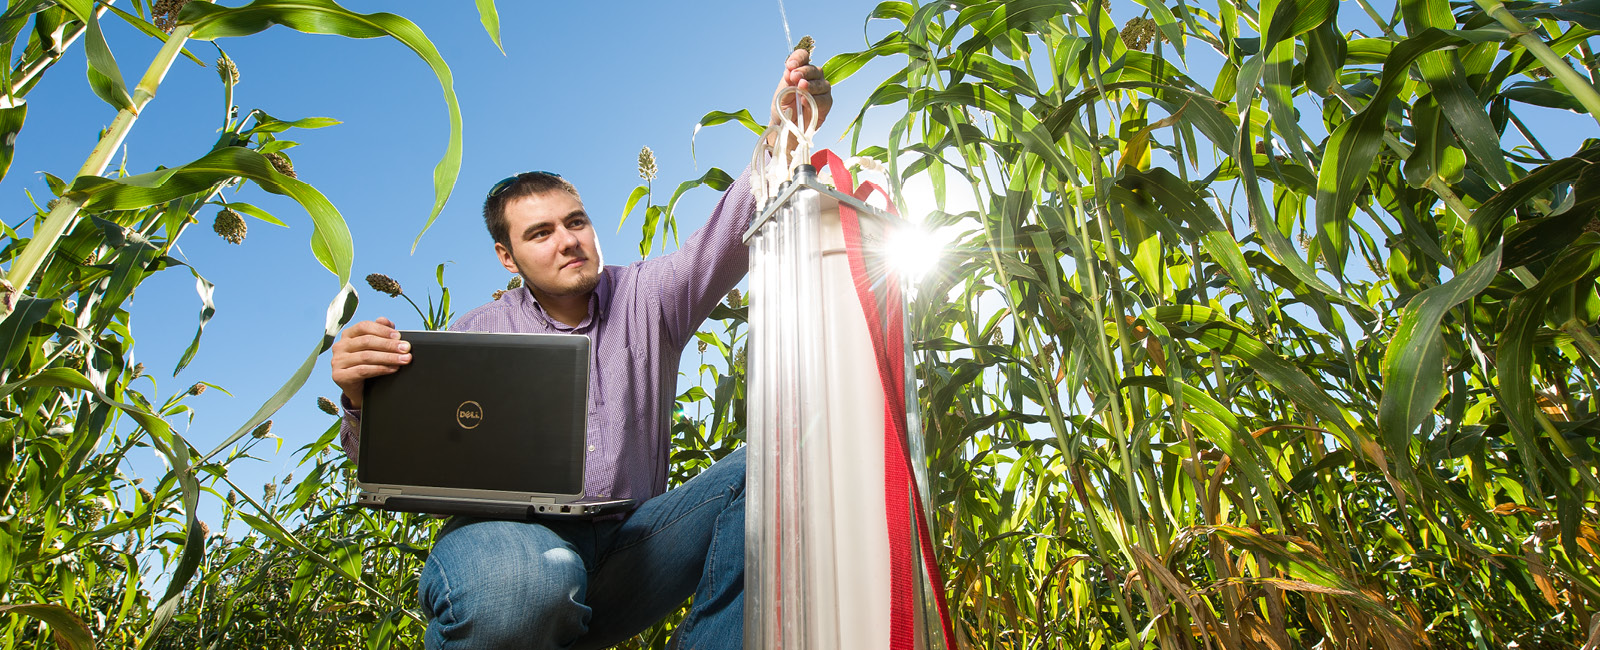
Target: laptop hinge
{"x":388,"y":491}
{"x":541,"y":500}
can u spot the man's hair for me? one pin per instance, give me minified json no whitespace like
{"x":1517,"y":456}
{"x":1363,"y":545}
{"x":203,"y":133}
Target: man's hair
{"x":525,"y":184}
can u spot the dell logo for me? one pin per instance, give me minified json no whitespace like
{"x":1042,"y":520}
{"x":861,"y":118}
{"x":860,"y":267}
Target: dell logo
{"x":469,"y":415}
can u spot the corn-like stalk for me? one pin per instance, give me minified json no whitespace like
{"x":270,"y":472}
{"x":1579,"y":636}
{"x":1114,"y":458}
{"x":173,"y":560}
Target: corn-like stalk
{"x":1581,"y":88}
{"x":65,"y":213}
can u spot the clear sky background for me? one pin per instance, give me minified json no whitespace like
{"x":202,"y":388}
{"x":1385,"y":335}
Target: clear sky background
{"x":580,"y":88}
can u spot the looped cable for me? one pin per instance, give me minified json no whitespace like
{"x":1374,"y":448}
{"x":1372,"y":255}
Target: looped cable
{"x":768,"y":174}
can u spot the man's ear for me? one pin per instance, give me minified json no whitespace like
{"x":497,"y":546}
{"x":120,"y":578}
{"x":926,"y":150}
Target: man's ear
{"x":506,"y":259}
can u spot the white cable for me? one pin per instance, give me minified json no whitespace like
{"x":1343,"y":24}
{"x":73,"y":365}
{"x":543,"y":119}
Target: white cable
{"x":785,"y":16}
{"x":777,"y":169}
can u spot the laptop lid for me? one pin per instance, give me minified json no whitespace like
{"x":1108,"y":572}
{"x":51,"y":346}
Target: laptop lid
{"x":479,"y":416}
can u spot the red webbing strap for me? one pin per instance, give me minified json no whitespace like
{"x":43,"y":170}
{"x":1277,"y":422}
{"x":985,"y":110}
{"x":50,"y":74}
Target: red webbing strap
{"x":888,"y":341}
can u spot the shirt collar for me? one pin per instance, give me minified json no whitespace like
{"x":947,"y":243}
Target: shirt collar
{"x":599,"y":299}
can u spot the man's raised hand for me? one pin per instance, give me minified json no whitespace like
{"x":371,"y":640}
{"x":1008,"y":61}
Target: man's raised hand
{"x":365,"y":350}
{"x":799,"y":72}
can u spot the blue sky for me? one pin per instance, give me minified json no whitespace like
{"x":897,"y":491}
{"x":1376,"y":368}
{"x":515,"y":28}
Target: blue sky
{"x":580,"y":88}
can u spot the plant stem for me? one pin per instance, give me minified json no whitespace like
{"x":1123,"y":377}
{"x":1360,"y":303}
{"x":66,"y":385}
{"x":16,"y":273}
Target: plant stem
{"x":1580,"y":88}
{"x":65,"y":213}
{"x":1584,"y":342}
{"x":1528,"y":135}
{"x":1377,"y":18}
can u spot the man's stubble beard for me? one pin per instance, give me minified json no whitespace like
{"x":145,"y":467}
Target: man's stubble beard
{"x":582,"y":287}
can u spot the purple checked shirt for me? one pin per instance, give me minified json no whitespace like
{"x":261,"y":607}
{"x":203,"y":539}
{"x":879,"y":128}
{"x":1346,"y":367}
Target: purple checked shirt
{"x":640,"y":318}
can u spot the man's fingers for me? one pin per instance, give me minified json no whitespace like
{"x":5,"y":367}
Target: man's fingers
{"x":816,"y":87}
{"x":382,"y":327}
{"x":797,"y":58}
{"x":370,"y":358}
{"x":370,"y":342}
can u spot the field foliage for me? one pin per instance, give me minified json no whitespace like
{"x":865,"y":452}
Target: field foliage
{"x":1272,"y":325}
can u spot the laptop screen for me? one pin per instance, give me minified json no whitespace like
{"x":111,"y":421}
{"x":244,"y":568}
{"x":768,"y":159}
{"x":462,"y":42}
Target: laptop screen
{"x":480,"y":412}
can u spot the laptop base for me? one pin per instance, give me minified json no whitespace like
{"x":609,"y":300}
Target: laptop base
{"x":492,"y":509}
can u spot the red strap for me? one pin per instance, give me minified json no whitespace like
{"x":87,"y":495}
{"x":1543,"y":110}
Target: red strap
{"x":888,"y":341}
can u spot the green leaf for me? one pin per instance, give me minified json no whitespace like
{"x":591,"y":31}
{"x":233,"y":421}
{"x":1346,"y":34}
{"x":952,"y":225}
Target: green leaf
{"x":246,"y":208}
{"x":104,"y":77}
{"x":719,"y":117}
{"x":1585,"y":13}
{"x":1514,"y":355}
{"x":150,"y":30}
{"x":207,"y":310}
{"x":742,"y":116}
{"x":268,"y":124}
{"x":1180,"y":201}
{"x":491,"y":22}
{"x":1548,"y":93}
{"x":340,"y":310}
{"x":647,"y":236}
{"x":1413,"y":364}
{"x":840,"y":66}
{"x":1281,"y":375}
{"x":627,"y":207}
{"x":16,"y":328}
{"x":1350,"y":151}
{"x":68,"y":630}
{"x":330,"y":240}
{"x":1485,"y":223}
{"x":11,"y":119}
{"x":327,"y":17}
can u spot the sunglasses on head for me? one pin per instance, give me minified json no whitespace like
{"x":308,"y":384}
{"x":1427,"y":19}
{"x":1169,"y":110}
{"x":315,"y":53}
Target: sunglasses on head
{"x":512,"y":180}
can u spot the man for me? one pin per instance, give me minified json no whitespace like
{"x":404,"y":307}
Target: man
{"x":595,"y":583}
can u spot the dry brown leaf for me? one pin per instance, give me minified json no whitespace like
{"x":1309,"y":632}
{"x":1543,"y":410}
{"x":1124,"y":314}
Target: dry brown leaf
{"x":1541,"y":577}
{"x":1510,"y":508}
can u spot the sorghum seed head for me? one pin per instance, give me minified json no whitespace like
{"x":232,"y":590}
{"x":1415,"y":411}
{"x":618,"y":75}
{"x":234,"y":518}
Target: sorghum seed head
{"x":146,"y":495}
{"x":233,"y":498}
{"x":1138,"y":32}
{"x":165,"y":14}
{"x":647,"y":164}
{"x":227,"y":69}
{"x":281,"y":163}
{"x":205,"y":530}
{"x":327,"y":406}
{"x":498,"y":293}
{"x":1540,"y":72}
{"x":262,"y":430}
{"x":230,"y":226}
{"x":1593,"y":225}
{"x":269,"y":490}
{"x":197,"y":388}
{"x":515,"y":283}
{"x":138,"y":369}
{"x":288,"y":479}
{"x":384,"y":284}
{"x":997,"y":337}
{"x":806,"y":43}
{"x":734,"y":297}
{"x":701,"y":346}
{"x":51,"y":204}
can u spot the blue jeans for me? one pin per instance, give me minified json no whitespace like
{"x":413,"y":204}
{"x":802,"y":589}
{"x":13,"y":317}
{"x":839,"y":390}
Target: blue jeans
{"x":572,"y":583}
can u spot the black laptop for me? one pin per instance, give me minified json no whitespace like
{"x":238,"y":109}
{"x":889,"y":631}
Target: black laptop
{"x":486,"y":425}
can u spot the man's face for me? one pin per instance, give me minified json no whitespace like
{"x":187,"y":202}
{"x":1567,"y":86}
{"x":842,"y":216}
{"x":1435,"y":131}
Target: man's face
{"x":553,"y":246}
